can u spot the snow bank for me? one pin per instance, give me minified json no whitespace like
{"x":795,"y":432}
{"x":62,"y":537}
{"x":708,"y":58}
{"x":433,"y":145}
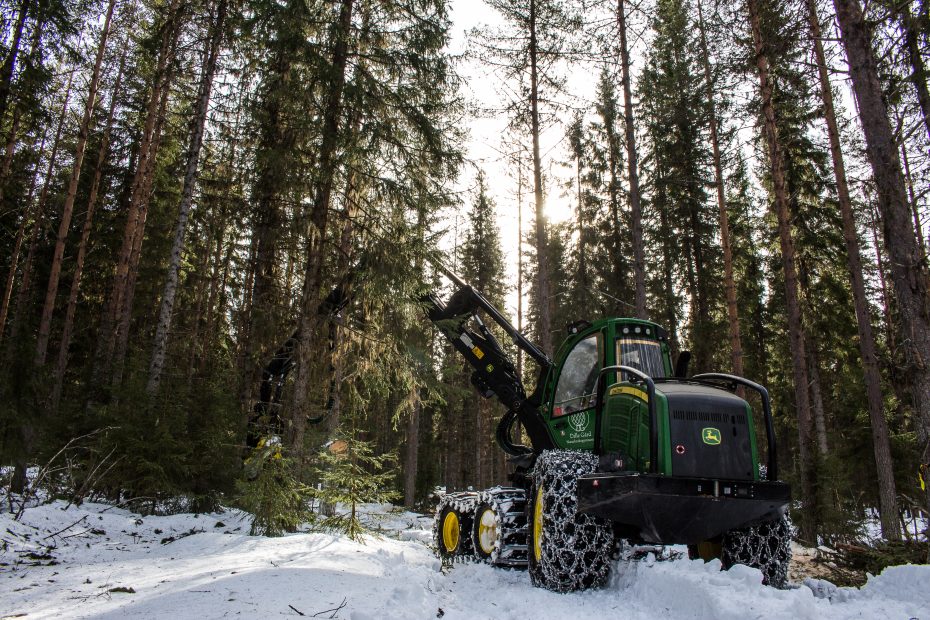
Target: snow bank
{"x":109,"y":563}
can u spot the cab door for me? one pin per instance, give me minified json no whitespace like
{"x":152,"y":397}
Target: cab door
{"x":574,"y":393}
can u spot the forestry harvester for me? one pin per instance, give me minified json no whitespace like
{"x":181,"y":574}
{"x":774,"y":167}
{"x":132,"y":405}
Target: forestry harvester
{"x":623,"y":446}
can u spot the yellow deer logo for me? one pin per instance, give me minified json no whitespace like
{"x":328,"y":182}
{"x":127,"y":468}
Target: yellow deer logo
{"x":711,"y":436}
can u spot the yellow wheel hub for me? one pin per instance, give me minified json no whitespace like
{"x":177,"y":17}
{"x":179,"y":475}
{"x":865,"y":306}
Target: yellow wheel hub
{"x":538,"y":524}
{"x":487,"y":531}
{"x":450,"y":532}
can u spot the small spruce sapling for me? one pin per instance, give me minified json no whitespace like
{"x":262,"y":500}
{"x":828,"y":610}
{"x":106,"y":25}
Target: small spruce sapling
{"x":275,"y":496}
{"x":351,"y":474}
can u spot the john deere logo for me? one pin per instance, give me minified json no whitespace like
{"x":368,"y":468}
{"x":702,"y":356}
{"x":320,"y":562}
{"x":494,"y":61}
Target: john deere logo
{"x":711,"y":436}
{"x":579,"y":421}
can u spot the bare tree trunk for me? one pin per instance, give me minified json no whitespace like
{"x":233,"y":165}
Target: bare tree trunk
{"x":262,"y":298}
{"x":68,"y":325}
{"x":910,"y":192}
{"x":17,"y":116}
{"x":9,"y":150}
{"x":918,"y":69}
{"x":908,"y":271}
{"x":411,"y":454}
{"x":636,"y":211}
{"x":520,"y":259}
{"x":143,"y":199}
{"x":319,"y":220}
{"x":190,"y":179}
{"x":881,"y":445}
{"x":136,"y":211}
{"x":792,"y":300}
{"x":25,"y":288}
{"x":28,"y":216}
{"x":616,"y":232}
{"x":68,"y":209}
{"x":816,"y":394}
{"x":543,"y":294}
{"x":729,"y":283}
{"x":9,"y":63}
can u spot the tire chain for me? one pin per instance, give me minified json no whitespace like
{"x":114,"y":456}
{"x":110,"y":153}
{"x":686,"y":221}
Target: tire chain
{"x":509,"y":506}
{"x":577,"y":548}
{"x":766,"y":546}
{"x":463,"y":502}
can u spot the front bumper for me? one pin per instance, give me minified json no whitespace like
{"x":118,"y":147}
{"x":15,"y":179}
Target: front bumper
{"x":670,"y":510}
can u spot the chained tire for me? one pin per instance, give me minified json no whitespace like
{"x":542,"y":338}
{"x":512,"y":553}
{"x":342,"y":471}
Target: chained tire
{"x":452,"y":526}
{"x":568,"y":551}
{"x":766,"y":546}
{"x":499,"y":529}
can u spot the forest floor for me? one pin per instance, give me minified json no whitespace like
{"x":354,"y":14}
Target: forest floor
{"x":100,"y":561}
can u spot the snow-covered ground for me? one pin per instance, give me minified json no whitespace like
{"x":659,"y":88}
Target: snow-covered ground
{"x":105,"y":562}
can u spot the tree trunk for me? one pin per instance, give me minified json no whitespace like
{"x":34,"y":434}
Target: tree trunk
{"x":319,"y":219}
{"x":910,"y":192}
{"x":17,"y":116}
{"x":918,"y":69}
{"x":9,"y":63}
{"x":729,"y":283}
{"x":135,"y":213}
{"x":881,"y":446}
{"x":28,"y":216}
{"x":261,"y":299}
{"x":816,"y":395}
{"x":25,"y":288}
{"x":908,"y":271}
{"x":636,"y":212}
{"x":68,"y":324}
{"x":544,"y":324}
{"x":190,"y":179}
{"x":809,"y":517}
{"x":9,"y":150}
{"x":68,"y":209}
{"x":519,"y":260}
{"x":411,"y":454}
{"x":143,"y":199}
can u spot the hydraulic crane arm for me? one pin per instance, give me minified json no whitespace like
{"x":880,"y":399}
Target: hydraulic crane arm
{"x":494,"y":372}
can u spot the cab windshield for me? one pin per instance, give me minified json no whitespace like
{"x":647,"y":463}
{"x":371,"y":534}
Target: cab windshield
{"x":641,"y":354}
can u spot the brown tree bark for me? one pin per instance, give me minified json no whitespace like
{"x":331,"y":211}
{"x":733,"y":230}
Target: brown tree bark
{"x":918,"y":228}
{"x":308,"y":323}
{"x":613,"y":191}
{"x":28,"y":217}
{"x":262,"y":299}
{"x":67,"y":327}
{"x":48,"y":307}
{"x":411,"y":454}
{"x":142,"y":199}
{"x":729,"y":283}
{"x":816,"y":395}
{"x":135,"y":216}
{"x":9,"y":150}
{"x":25,"y":288}
{"x":9,"y":62}
{"x":217,"y":30}
{"x":17,"y":116}
{"x":636,"y":211}
{"x":881,"y":445}
{"x":918,"y":69}
{"x":908,"y":271}
{"x":809,"y":520}
{"x":543,"y":294}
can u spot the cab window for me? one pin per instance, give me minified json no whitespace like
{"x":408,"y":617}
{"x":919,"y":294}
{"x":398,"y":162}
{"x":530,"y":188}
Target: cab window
{"x":641,"y":354}
{"x":575,"y":390}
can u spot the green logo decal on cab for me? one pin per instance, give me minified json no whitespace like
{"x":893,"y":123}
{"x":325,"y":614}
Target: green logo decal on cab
{"x":711,"y":436}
